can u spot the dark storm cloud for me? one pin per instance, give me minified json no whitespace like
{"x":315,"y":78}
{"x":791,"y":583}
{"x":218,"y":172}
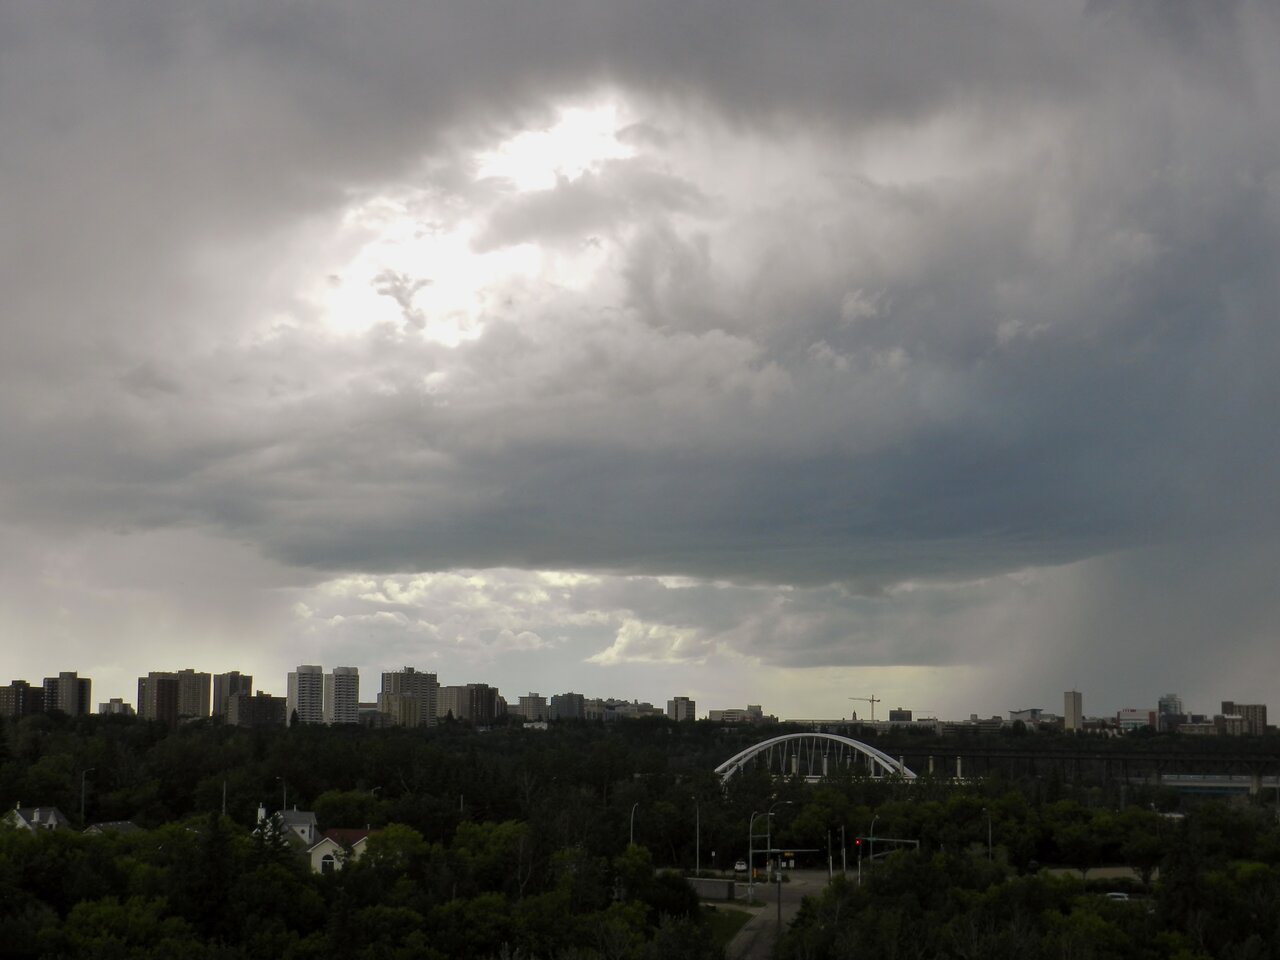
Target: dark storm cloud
{"x":888,"y":292}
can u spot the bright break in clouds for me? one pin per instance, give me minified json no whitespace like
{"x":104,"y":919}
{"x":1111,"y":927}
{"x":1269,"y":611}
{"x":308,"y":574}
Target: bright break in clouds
{"x":756,"y":353}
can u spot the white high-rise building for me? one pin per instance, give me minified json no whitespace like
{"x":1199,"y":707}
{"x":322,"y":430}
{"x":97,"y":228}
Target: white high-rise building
{"x":1072,"y":710}
{"x":305,"y":695}
{"x":342,"y":695}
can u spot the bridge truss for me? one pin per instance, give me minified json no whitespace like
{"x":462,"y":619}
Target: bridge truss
{"x":815,"y":756}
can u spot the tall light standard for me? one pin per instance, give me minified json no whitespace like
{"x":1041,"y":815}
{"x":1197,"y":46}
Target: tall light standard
{"x":633,"y":823}
{"x":751,"y":857}
{"x":872,"y":838}
{"x":83,"y":774}
{"x":769,"y":823}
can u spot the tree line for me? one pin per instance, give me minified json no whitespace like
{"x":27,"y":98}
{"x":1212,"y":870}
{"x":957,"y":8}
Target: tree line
{"x":520,"y":841}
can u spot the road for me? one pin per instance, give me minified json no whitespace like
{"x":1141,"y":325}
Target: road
{"x":755,"y":940}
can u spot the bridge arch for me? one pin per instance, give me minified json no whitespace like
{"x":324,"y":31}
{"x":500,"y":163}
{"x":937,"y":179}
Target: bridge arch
{"x":814,"y":756}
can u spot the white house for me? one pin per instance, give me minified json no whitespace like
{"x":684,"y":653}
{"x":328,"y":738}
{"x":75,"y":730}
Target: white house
{"x":335,"y":848}
{"x":37,"y":818}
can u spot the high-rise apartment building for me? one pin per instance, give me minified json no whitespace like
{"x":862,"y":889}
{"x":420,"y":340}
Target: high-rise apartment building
{"x":172,"y":696}
{"x":20,"y":699}
{"x":409,"y":698}
{"x":226,"y":686}
{"x":568,"y":706}
{"x":193,"y":695}
{"x":1072,"y":710}
{"x":305,"y":694}
{"x":262,"y":710}
{"x":1254,"y":715}
{"x":342,"y":695}
{"x":477,"y":702}
{"x":533,"y":706}
{"x":158,"y":697}
{"x":681,"y":708}
{"x":69,"y":693}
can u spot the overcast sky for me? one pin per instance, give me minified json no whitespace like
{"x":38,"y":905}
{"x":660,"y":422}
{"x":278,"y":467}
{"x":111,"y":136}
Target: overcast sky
{"x":759,"y":352}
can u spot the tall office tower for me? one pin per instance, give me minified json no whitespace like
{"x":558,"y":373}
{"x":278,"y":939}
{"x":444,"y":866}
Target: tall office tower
{"x":305,"y":694}
{"x":1073,"y":710}
{"x":342,"y":695}
{"x":158,"y":697}
{"x":681,"y":708}
{"x":1254,"y":714}
{"x":409,"y":697}
{"x":533,"y":707}
{"x":68,"y":692}
{"x":20,"y":699}
{"x":1169,"y":713}
{"x":226,"y":686}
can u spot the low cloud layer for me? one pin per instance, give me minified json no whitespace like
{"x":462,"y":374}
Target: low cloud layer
{"x":907,"y":345}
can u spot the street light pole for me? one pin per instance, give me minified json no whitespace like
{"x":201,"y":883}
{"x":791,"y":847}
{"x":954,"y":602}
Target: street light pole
{"x":633,"y":823}
{"x":873,"y":838}
{"x":769,"y":826}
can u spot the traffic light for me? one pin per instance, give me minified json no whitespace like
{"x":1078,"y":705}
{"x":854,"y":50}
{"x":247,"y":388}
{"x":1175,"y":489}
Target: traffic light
{"x":857,"y":846}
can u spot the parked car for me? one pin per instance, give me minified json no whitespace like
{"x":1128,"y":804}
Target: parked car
{"x":740,"y":866}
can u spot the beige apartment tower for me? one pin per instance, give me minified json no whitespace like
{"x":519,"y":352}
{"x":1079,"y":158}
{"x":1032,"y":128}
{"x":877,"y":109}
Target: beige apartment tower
{"x":409,"y":697}
{"x":1072,"y":710}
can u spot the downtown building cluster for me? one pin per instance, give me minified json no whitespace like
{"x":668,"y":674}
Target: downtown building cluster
{"x":408,"y":697}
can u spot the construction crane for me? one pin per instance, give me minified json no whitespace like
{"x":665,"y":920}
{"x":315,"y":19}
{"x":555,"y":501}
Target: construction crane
{"x":871,"y":700}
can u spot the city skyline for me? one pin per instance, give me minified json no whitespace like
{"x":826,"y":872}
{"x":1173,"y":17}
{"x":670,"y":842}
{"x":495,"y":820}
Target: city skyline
{"x":364,"y":694}
{"x":723,"y":350}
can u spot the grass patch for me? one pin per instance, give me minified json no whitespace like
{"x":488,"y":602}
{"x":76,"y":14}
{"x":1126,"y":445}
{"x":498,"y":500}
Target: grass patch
{"x":725,"y":922}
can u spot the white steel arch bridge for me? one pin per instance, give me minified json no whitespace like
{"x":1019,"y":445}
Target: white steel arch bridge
{"x":815,"y":756}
